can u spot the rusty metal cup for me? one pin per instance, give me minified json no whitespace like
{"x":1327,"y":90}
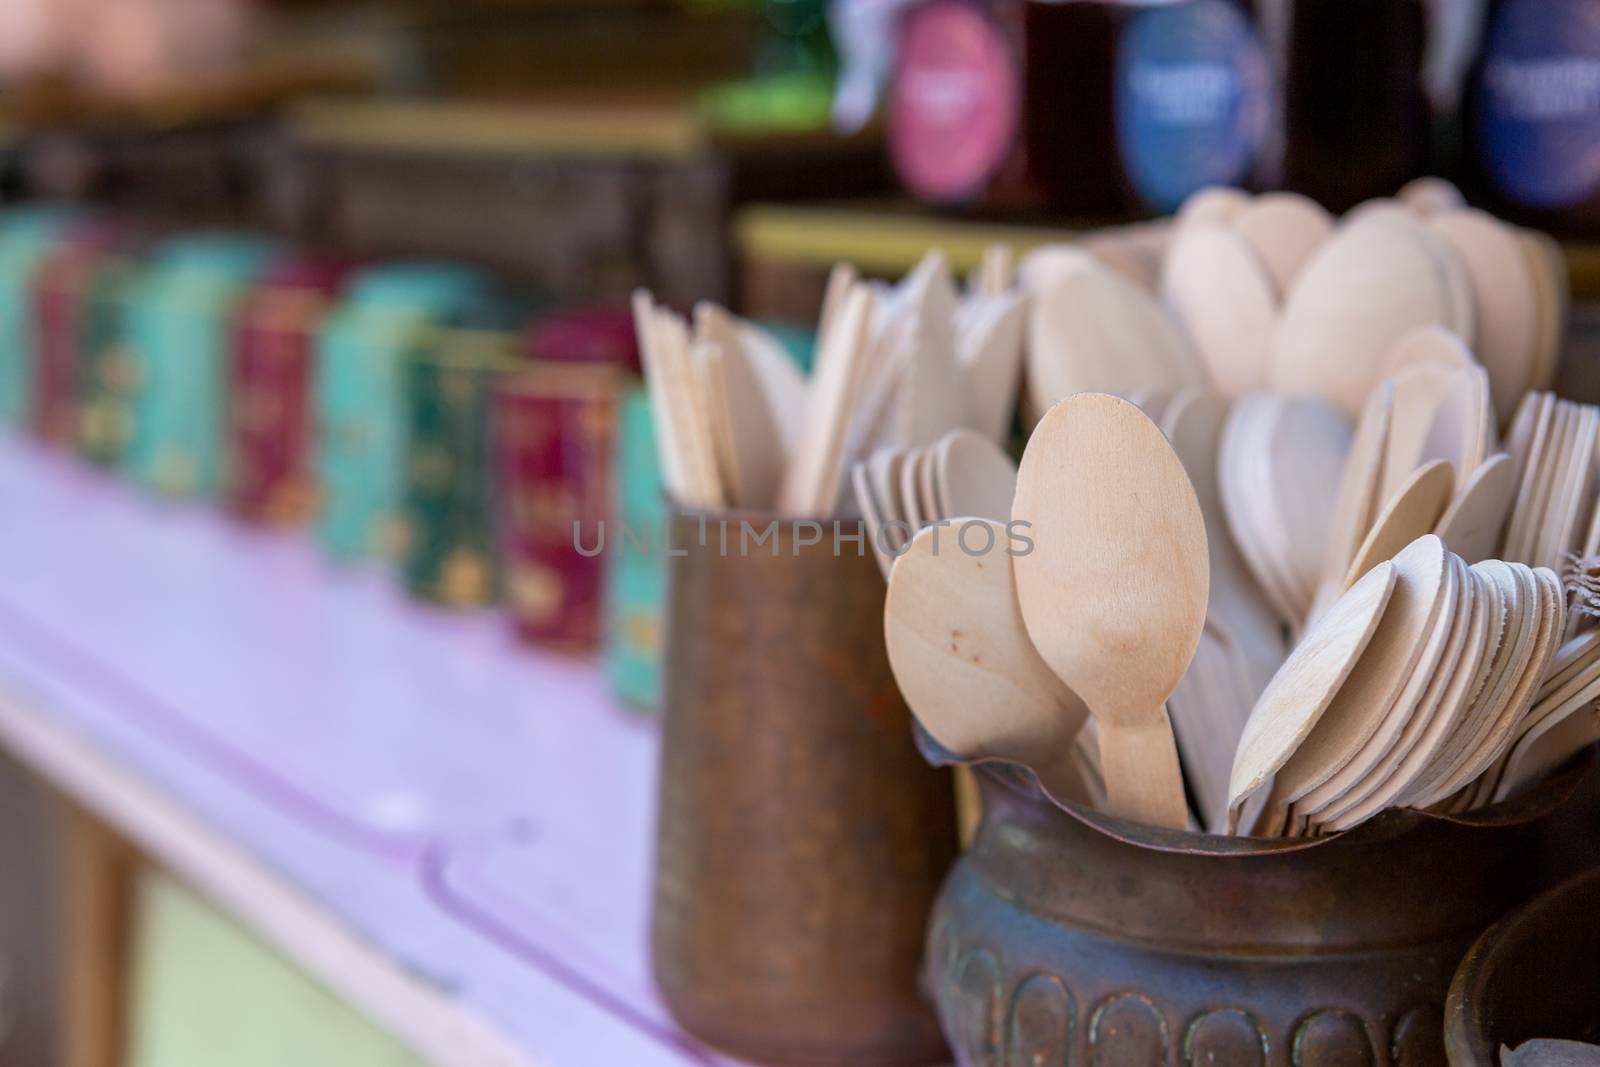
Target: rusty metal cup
{"x":1068,"y":937}
{"x":802,"y":838}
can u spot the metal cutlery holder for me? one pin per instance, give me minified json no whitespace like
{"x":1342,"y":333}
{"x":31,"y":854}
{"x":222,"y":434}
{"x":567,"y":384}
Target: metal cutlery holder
{"x":1069,"y":937}
{"x":802,"y":839}
{"x":1531,"y":975}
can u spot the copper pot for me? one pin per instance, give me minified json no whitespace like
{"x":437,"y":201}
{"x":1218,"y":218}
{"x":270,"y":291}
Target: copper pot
{"x":1531,"y":975}
{"x":1066,"y":936}
{"x":802,"y":838}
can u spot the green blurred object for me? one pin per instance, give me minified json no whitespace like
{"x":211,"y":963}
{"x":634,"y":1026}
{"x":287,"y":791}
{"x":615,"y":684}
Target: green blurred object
{"x":790,"y":89}
{"x":450,"y":555}
{"x":636,"y":582}
{"x":204,"y":993}
{"x":27,"y":236}
{"x":179,"y":326}
{"x":393,"y":314}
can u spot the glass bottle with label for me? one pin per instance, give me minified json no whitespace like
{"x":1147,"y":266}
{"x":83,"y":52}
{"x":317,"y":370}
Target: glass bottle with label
{"x":955,"y":100}
{"x":1193,"y":99}
{"x":1534,"y":111}
{"x":1099,"y":108}
{"x":1356,"y":110}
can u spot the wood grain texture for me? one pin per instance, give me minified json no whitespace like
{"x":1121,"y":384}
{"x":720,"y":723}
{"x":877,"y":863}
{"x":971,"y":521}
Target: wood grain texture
{"x":1117,"y":615}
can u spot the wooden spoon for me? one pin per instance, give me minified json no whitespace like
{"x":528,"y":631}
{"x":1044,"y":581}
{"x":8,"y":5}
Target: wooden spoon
{"x":1430,"y":195}
{"x":972,"y":476}
{"x":1363,"y":290}
{"x":811,"y":482}
{"x":964,"y":662}
{"x":1089,"y":329}
{"x":1505,"y":296}
{"x":1213,"y":204}
{"x":1357,"y":503}
{"x":1422,"y":587}
{"x":1473,"y":523}
{"x":1413,"y":511}
{"x":1114,"y":591}
{"x":1285,"y":229}
{"x":1193,"y":423}
{"x":1221,"y":292}
{"x":1306,"y":685}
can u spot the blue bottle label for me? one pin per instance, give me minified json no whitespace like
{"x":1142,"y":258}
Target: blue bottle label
{"x":1539,"y":103}
{"x":1193,"y":99}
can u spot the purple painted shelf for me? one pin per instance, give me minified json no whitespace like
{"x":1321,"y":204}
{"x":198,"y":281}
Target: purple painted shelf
{"x":343,"y":735}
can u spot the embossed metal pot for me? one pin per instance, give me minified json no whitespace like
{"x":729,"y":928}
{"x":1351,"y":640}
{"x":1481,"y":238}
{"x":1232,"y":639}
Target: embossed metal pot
{"x":1068,"y":937}
{"x":802,"y":838}
{"x":1532,"y":974}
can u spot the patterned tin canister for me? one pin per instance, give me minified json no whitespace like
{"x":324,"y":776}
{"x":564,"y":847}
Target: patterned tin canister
{"x":180,"y":327}
{"x":451,"y":555}
{"x":556,"y":432}
{"x":390,"y":313}
{"x":27,"y":236}
{"x":554,"y":437}
{"x":636,"y":582}
{"x":77,"y":308}
{"x":270,"y":478}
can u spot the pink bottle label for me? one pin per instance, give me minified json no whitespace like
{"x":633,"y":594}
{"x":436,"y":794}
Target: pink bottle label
{"x":953,"y":114}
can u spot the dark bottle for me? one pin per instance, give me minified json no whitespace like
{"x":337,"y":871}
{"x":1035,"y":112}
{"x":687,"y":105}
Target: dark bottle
{"x":1534,"y":111}
{"x":1356,"y":111}
{"x":1069,"y":125}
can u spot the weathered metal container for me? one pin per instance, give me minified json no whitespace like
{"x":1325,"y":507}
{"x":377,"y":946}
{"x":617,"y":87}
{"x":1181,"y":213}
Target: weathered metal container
{"x":180,"y":329}
{"x":390,"y":312}
{"x":802,"y":838}
{"x":269,"y":478}
{"x":1069,"y":937}
{"x":1533,"y":974}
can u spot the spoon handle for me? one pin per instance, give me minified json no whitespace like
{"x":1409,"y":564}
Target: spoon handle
{"x":1144,"y":782}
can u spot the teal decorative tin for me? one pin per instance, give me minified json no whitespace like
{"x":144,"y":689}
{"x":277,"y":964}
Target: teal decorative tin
{"x":450,"y":544}
{"x":179,"y":323}
{"x":636,"y":582}
{"x":392,"y":313}
{"x":27,"y":237}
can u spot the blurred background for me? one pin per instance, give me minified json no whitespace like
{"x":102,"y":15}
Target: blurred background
{"x":213,"y":212}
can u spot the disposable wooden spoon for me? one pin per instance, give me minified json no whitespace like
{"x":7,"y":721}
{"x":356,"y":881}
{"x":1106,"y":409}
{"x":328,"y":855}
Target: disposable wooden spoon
{"x":1473,"y":523}
{"x":1114,"y":591}
{"x":1432,"y":344}
{"x":972,"y":476}
{"x":1421,"y":589}
{"x":1364,"y":289}
{"x":1193,"y":423}
{"x":967,"y":668}
{"x":811,"y":482}
{"x":1505,"y":297}
{"x":1413,"y":511}
{"x":1091,"y":329}
{"x":1306,"y":685}
{"x":1213,"y":204}
{"x":1220,"y":290}
{"x":1284,"y":229}
{"x":1358,"y":501}
{"x":1430,"y":195}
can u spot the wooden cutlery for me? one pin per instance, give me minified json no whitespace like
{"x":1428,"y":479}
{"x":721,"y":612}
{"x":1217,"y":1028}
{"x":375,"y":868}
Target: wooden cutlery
{"x":1114,"y":590}
{"x":738,"y":425}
